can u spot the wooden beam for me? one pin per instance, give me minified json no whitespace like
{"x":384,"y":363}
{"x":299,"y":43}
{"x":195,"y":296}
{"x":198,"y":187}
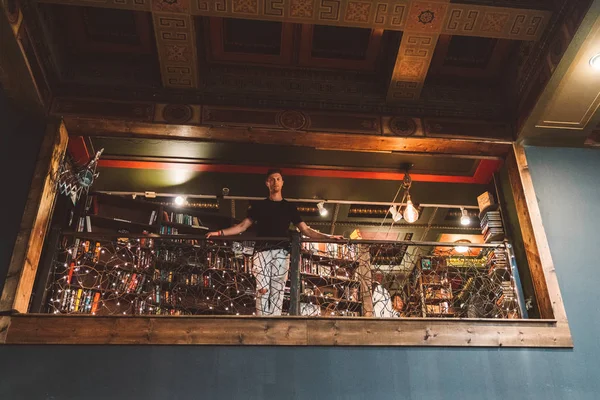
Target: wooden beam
{"x":320,"y":140}
{"x":34,"y":224}
{"x":176,"y":46}
{"x":411,"y":67}
{"x":540,"y":262}
{"x":490,"y":166}
{"x":427,"y":20}
{"x":457,"y":19}
{"x":285,"y":331}
{"x":134,"y":5}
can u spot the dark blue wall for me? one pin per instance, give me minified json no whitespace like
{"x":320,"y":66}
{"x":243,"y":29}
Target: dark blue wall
{"x":568,"y":188}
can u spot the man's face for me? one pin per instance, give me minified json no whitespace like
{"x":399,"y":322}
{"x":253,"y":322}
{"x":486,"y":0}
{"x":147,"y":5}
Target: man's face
{"x":274,"y":182}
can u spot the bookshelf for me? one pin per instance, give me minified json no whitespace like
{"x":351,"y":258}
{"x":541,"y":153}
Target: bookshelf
{"x":330,"y":285}
{"x":147,"y":275}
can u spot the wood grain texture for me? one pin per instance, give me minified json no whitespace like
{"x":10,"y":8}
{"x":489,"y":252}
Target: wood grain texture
{"x":285,"y":331}
{"x":35,"y":220}
{"x":319,"y":140}
{"x":542,"y":269}
{"x":366,"y":282}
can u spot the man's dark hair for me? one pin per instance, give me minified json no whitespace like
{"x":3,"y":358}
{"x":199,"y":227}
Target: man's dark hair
{"x":273,"y":171}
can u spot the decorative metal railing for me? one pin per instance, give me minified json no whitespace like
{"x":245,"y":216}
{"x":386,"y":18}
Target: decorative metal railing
{"x":190,"y":275}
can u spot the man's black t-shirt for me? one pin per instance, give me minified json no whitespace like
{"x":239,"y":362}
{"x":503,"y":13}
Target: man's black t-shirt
{"x":272,"y":218}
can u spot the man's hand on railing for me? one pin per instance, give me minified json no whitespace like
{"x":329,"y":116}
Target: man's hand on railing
{"x":337,"y":237}
{"x":215,"y":233}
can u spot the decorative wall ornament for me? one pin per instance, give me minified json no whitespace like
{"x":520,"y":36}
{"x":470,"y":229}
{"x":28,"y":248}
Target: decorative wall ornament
{"x":177,"y":113}
{"x":294,"y":120}
{"x":402,"y":126}
{"x":73,"y":182}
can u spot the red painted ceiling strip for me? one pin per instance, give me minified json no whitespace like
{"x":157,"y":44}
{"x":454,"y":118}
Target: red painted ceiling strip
{"x":78,"y":150}
{"x":485,"y":170}
{"x":483,"y":173}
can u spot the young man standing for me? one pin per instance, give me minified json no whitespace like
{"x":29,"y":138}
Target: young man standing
{"x":272,"y":217}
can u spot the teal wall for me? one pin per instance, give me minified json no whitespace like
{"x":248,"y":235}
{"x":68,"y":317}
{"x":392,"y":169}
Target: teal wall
{"x":568,"y":188}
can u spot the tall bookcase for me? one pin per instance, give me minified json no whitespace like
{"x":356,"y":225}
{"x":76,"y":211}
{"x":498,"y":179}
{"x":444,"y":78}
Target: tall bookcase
{"x":329,"y":280}
{"x":138,"y":274}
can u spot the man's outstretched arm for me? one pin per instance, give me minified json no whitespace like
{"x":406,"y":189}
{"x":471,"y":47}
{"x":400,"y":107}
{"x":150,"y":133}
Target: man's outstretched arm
{"x":311,"y":233}
{"x":233,"y":230}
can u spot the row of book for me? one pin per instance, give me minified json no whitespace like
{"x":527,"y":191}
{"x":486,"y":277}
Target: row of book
{"x":220,"y":260}
{"x":497,"y":260}
{"x":334,"y":250}
{"x":168,"y":230}
{"x":314,"y":267}
{"x":193,"y":279}
{"x":180,"y":218}
{"x":508,"y":295}
{"x":491,"y":227}
{"x":85,"y":301}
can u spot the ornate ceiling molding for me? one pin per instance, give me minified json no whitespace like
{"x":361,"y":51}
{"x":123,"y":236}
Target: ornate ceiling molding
{"x":283,"y":119}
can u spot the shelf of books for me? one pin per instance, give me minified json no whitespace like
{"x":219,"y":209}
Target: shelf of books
{"x":330,"y":285}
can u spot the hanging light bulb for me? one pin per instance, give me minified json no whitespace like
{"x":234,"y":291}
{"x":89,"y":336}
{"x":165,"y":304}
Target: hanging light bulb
{"x":396,"y":215}
{"x":179,"y":200}
{"x":322,"y":210}
{"x":411,"y":214}
{"x":464,"y":218}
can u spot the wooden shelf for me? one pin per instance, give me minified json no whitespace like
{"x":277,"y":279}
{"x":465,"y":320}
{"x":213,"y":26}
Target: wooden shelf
{"x":184,"y":226}
{"x":120,"y":224}
{"x":320,"y":300}
{"x":327,"y":278}
{"x":327,"y":259}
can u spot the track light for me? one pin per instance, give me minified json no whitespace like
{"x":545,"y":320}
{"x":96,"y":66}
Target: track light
{"x":322,"y":209}
{"x":179,"y":200}
{"x":464,"y":217}
{"x":396,"y":215}
{"x":411,"y":214}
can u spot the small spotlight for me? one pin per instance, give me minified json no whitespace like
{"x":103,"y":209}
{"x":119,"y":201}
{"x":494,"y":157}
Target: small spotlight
{"x":322,"y":210}
{"x":464,"y":218}
{"x":595,"y":62}
{"x":396,"y":215}
{"x":179,"y":200}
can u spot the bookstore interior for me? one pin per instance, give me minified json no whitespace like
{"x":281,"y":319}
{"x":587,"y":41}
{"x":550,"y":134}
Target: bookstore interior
{"x":422,"y":238}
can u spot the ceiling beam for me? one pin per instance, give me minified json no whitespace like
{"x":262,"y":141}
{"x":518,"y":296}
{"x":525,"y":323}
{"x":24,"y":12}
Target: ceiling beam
{"x":100,"y":126}
{"x":421,"y":21}
{"x":398,"y":15}
{"x":427,"y":20}
{"x":283,"y":119}
{"x":174,"y":33}
{"x":482,"y":175}
{"x":176,"y":46}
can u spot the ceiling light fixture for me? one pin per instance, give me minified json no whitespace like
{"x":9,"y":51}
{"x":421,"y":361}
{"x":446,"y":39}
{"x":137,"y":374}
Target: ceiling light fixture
{"x":396,"y":215}
{"x":464,"y":217}
{"x":411,"y":214}
{"x":322,"y":210}
{"x":179,"y":200}
{"x":595,"y":62}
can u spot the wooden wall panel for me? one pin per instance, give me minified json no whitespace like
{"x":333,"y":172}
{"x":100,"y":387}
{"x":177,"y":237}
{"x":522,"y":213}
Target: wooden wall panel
{"x":34,"y":224}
